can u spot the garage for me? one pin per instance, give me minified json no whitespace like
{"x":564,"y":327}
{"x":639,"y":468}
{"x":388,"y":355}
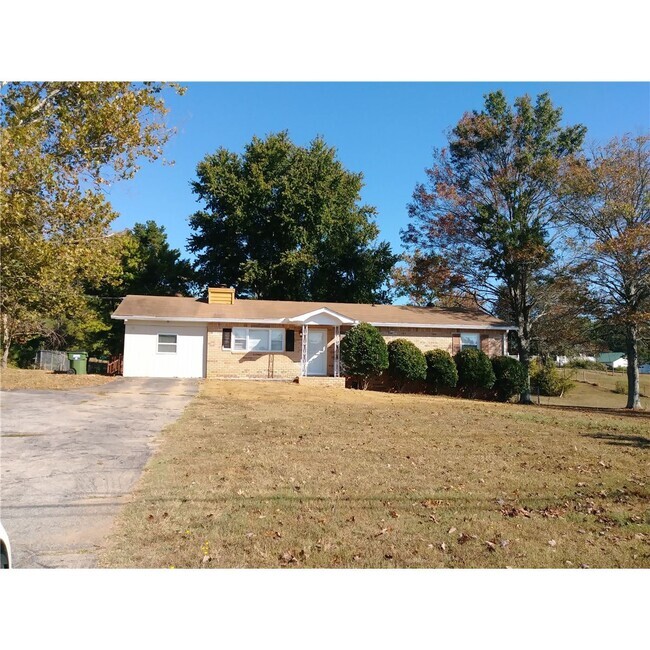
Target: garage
{"x":164,"y":349}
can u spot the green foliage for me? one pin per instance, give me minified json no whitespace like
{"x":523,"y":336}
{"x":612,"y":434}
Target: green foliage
{"x":474,"y":371}
{"x":62,"y":143}
{"x":486,"y":214}
{"x":546,"y":379}
{"x":364,"y":353}
{"x":151,"y":267}
{"x":586,"y":364}
{"x":441,"y":369}
{"x":510,"y":377}
{"x":284,"y":222}
{"x":148,"y":266}
{"x":406,"y":361}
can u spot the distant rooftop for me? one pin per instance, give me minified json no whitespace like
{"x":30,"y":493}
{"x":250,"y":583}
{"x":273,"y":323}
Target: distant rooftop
{"x":610,"y":357}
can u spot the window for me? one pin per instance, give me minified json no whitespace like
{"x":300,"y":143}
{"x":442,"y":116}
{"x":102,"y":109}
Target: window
{"x":276,"y":340}
{"x":167,"y":343}
{"x":239,"y":335}
{"x":258,"y":339}
{"x":470,"y":341}
{"x":255,"y":339}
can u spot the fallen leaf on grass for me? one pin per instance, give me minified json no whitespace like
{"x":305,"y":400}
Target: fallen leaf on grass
{"x":552,"y":542}
{"x":515,"y":512}
{"x":289,"y":558}
{"x":443,"y":546}
{"x":451,"y":530}
{"x":394,"y":514}
{"x":491,"y":546}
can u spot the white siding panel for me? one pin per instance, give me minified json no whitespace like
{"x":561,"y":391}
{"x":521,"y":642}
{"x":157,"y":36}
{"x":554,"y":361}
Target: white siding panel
{"x":142,"y":359}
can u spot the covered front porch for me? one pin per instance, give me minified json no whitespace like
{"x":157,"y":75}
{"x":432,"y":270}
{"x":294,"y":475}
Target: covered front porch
{"x":320,"y":338}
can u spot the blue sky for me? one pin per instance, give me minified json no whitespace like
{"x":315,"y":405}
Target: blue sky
{"x":387,"y":131}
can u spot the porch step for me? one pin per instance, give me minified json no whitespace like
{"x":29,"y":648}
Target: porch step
{"x":333,"y":382}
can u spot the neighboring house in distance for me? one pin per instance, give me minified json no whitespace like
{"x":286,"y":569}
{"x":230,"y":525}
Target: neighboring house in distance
{"x":645,"y":369}
{"x":562,"y":360}
{"x":232,"y":338}
{"x":613,"y":360}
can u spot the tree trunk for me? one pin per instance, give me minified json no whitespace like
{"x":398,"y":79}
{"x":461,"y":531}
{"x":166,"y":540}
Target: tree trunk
{"x":631,"y":341}
{"x":524,"y":358}
{"x":6,"y":341}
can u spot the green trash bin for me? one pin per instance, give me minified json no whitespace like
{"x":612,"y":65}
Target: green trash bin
{"x":78,"y":362}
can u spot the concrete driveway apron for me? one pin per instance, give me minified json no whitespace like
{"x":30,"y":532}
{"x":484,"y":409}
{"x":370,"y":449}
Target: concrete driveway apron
{"x":69,"y":459}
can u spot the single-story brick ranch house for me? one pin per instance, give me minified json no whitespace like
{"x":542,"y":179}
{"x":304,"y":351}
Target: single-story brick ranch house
{"x":229,"y":338}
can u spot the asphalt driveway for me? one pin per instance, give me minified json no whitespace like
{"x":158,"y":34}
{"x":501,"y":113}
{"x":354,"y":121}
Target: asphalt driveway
{"x":69,"y":459}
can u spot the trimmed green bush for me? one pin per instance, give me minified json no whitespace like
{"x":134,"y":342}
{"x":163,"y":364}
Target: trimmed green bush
{"x":474,"y":371}
{"x":510,"y":377}
{"x":546,"y":379}
{"x":364,"y":353}
{"x":441,"y":369}
{"x":406,"y":361}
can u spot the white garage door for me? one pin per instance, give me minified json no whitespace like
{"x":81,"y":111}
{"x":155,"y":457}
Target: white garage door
{"x":164,"y":350}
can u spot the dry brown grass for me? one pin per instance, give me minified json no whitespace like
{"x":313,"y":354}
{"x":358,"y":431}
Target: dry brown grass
{"x":17,"y":379}
{"x":276,"y":474}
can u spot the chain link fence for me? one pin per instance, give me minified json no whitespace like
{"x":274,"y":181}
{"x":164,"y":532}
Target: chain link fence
{"x":53,"y":360}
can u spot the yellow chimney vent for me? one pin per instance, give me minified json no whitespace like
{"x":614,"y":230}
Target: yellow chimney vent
{"x":221,"y":296}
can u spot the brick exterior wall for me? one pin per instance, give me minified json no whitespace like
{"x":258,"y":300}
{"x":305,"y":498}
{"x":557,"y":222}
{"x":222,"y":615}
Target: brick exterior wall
{"x":227,"y":364}
{"x":431,"y":339}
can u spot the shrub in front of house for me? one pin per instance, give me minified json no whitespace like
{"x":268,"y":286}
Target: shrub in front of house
{"x":546,"y":379}
{"x":406,"y":362}
{"x":510,"y":377}
{"x":363,"y":353}
{"x":620,"y":387}
{"x":441,"y":370}
{"x":475,"y":372}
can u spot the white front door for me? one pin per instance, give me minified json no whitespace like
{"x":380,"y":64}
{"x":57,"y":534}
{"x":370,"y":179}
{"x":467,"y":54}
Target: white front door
{"x":317,"y":352}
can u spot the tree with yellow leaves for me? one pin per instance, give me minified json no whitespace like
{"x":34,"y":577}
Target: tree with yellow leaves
{"x":61,"y":145}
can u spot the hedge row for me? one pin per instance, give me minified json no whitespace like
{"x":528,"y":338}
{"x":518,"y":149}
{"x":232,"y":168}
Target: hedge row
{"x":365,"y":355}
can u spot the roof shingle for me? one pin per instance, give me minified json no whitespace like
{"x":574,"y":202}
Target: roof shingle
{"x":178,"y":308}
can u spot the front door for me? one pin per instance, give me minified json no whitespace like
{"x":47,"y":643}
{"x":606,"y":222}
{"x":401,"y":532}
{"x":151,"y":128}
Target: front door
{"x":317,"y":352}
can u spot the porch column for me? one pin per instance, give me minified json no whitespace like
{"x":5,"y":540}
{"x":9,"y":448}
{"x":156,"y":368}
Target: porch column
{"x":337,"y":351}
{"x":303,"y":356}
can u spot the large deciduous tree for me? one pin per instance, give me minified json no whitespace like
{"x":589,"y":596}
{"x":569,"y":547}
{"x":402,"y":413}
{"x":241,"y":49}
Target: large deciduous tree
{"x":62,"y":145}
{"x":487,"y":211}
{"x":283,"y":221}
{"x":608,"y":204}
{"x":151,"y":267}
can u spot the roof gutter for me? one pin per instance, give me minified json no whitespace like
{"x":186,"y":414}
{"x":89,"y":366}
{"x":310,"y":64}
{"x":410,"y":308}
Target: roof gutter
{"x":279,"y":321}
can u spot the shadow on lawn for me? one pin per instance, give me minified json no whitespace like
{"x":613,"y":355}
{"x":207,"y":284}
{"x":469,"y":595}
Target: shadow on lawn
{"x":621,"y":439}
